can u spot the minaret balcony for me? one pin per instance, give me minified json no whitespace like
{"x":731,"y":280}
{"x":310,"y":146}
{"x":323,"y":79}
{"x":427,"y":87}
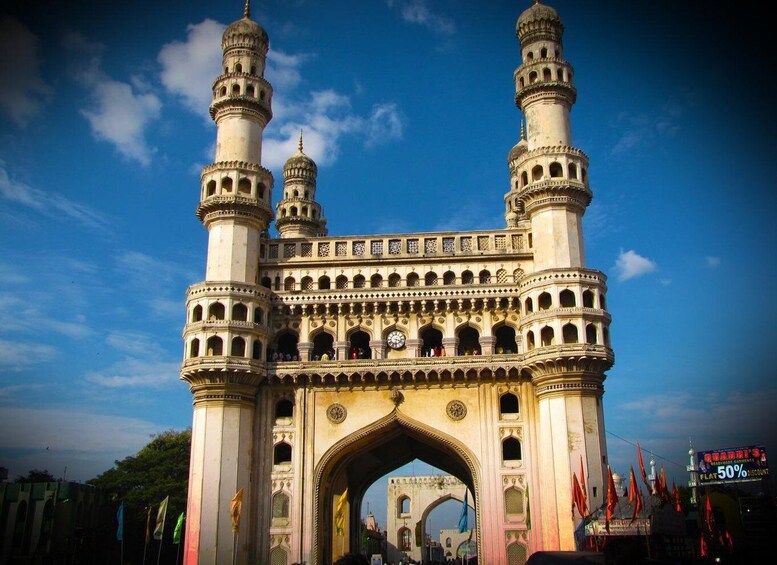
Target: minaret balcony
{"x":199,"y":370}
{"x":555,"y":192}
{"x":566,"y":313}
{"x":243,"y":105}
{"x":234,"y":207}
{"x":560,"y":91}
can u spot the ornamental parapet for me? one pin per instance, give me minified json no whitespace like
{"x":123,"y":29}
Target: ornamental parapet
{"x":577,"y":312}
{"x":547,"y":152}
{"x":215,"y":207}
{"x":219,"y":289}
{"x":542,"y":90}
{"x":419,"y":247}
{"x":243,"y":105}
{"x":223,"y":369}
{"x":551,"y":191}
{"x":242,"y":165}
{"x":548,"y":277}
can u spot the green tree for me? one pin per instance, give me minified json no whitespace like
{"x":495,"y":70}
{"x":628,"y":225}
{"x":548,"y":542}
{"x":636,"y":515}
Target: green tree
{"x":142,"y":481}
{"x":36,"y":476}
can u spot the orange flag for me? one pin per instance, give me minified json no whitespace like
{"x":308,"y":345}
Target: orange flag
{"x":635,"y":495}
{"x":665,"y":496}
{"x":578,"y":499}
{"x":612,"y":500}
{"x":583,"y":489}
{"x":234,"y":509}
{"x":642,"y":470}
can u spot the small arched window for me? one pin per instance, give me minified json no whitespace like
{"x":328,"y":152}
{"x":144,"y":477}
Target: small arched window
{"x":210,"y":188}
{"x":324,"y":283}
{"x":508,"y":404}
{"x":238,"y":347}
{"x":281,"y":454}
{"x":216,"y":311}
{"x":588,"y":299}
{"x":547,"y":74}
{"x":530,"y":340}
{"x":533,"y":77}
{"x":256,"y":350}
{"x":284,"y":409}
{"x":544,"y":52}
{"x":250,"y":91}
{"x":529,"y":305}
{"x":223,"y":91}
{"x":430,"y":279}
{"x":544,"y":301}
{"x":376,"y":281}
{"x":240,"y":312}
{"x":358,"y":281}
{"x":566,"y":299}
{"x":569,"y":333}
{"x":197,"y":313}
{"x":484,"y":277}
{"x":235,"y":90}
{"x":467,"y":277}
{"x":403,"y":505}
{"x":524,"y":178}
{"x":590,"y":334}
{"x":536,"y":173}
{"x":238,"y":68}
{"x":215,"y":346}
{"x":547,"y":336}
{"x":266,"y":282}
{"x":194,"y":348}
{"x":556,"y":170}
{"x":412,"y":279}
{"x":530,"y":56}
{"x":394,"y":280}
{"x":572,"y":171}
{"x":448,"y":278}
{"x":511,"y":450}
{"x":341,"y":282}
{"x":306,"y":283}
{"x":244,"y":186}
{"x":226,"y":184}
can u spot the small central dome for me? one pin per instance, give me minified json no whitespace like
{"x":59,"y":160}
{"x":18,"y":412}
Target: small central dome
{"x":538,"y":12}
{"x":299,"y":159}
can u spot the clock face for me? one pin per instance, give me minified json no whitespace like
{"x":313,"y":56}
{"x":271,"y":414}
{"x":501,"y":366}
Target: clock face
{"x":395,"y":339}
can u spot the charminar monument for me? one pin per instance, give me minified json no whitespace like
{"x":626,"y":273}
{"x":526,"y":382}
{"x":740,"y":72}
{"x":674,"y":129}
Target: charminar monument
{"x":319,"y":363}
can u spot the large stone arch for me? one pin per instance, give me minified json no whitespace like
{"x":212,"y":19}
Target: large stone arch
{"x":397,"y":436}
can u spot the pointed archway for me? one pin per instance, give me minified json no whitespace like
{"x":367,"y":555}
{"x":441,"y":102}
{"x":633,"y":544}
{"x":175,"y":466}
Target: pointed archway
{"x":350,"y":466}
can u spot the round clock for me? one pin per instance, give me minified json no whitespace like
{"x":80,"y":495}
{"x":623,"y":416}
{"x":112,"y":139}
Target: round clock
{"x":395,"y":340}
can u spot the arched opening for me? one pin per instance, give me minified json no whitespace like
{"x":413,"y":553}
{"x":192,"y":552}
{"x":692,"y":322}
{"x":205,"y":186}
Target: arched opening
{"x":588,"y":299}
{"x":287,"y":346}
{"x":590,"y":334}
{"x":258,"y":316}
{"x":197,"y":313}
{"x":360,"y":346}
{"x":306,"y":283}
{"x":238,"y":68}
{"x":216,"y":311}
{"x":266,"y":282}
{"x":602,"y":302}
{"x":376,"y":281}
{"x":569,"y":333}
{"x":566,"y":299}
{"x":244,"y":186}
{"x":323,"y":346}
{"x":210,"y":188}
{"x":238,"y":347}
{"x":324,"y":283}
{"x":508,"y":404}
{"x":260,"y":190}
{"x":250,"y":91}
{"x":235,"y":90}
{"x":256,"y":350}
{"x":529,"y":306}
{"x":469,"y":341}
{"x":194,"y":348}
{"x":387,"y":448}
{"x":281,"y":454}
{"x":394,"y":280}
{"x":524,"y":179}
{"x":240,"y":312}
{"x":533,"y":76}
{"x":544,"y":301}
{"x":467,"y":277}
{"x":547,"y":75}
{"x":448,"y":278}
{"x":277,"y":282}
{"x":431,"y":342}
{"x":572,"y":171}
{"x":511,"y":450}
{"x":530,"y":56}
{"x":544,"y":52}
{"x":547,"y":337}
{"x":284,"y":410}
{"x":226,"y":184}
{"x":484,"y":277}
{"x":289,"y":284}
{"x":606,"y":336}
{"x":293,"y":211}
{"x":403,"y":505}
{"x":530,"y":340}
{"x":505,"y":340}
{"x":536,"y":173}
{"x":358,"y":281}
{"x":341,"y":282}
{"x":556,"y":170}
{"x":280,"y":512}
{"x":412,"y":279}
{"x":430,"y":279}
{"x":215,"y":346}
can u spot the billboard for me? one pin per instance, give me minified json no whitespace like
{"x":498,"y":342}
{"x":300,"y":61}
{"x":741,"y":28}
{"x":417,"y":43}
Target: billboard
{"x":722,"y":466}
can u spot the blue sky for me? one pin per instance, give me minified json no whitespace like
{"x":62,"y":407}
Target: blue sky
{"x":104,"y":130}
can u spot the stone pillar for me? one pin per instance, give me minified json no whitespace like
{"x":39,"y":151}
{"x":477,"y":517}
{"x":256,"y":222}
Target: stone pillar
{"x":451,"y":345}
{"x":304,"y":348}
{"x":414,"y":346}
{"x":378,"y":347}
{"x":341,"y":349}
{"x":487,"y":344}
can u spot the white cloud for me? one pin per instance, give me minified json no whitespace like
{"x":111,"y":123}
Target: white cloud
{"x":283,"y":69}
{"x":419,"y":12}
{"x":646,"y":130}
{"x":189,"y":67}
{"x":385,"y":124}
{"x":140,"y":373}
{"x":25,"y":315}
{"x":16,"y":355}
{"x":51,"y":205}
{"x":630,"y":264}
{"x":118,"y":113}
{"x":22,"y":90}
{"x":712,"y":262}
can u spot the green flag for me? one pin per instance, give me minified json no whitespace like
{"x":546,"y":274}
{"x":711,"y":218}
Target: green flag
{"x":178,"y":529}
{"x":160,"y":519}
{"x":528,"y":513}
{"x":364,"y":540}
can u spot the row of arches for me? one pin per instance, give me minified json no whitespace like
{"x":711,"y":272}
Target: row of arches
{"x":561,"y":74}
{"x":554,"y":170}
{"x":217,"y":311}
{"x":569,"y":334}
{"x":214,"y":347}
{"x":566,"y":298}
{"x":394,"y":280}
{"x":235,"y":90}
{"x":242,"y":186}
{"x":238,"y":68}
{"x":295,"y":212}
{"x":543,"y":53}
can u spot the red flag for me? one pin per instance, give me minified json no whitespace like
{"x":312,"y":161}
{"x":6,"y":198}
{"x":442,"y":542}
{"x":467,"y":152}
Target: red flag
{"x":703,"y":546}
{"x":637,"y":506}
{"x":575,"y":495}
{"x":612,"y":500}
{"x":642,"y":470}
{"x":583,"y":489}
{"x":709,"y":517}
{"x":665,"y":494}
{"x":676,"y":495}
{"x":634,"y":495}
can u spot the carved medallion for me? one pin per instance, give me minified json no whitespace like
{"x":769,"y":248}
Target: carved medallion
{"x":456,"y":410}
{"x":336,"y":413}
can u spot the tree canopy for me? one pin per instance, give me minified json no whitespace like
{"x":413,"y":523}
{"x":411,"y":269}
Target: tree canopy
{"x":142,"y":481}
{"x":36,"y":476}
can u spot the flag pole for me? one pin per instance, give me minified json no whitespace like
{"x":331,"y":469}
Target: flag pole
{"x":178,"y":554}
{"x":148,"y":523}
{"x":234,"y":546}
{"x":159,"y":555}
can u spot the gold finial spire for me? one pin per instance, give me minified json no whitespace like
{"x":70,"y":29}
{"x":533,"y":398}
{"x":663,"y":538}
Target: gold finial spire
{"x":247,"y":9}
{"x":299,"y":146}
{"x":523,"y":131}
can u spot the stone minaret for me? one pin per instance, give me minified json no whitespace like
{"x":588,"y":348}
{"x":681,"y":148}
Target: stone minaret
{"x":226,"y":332}
{"x":563,"y":302}
{"x":548,"y":175}
{"x":299,"y":215}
